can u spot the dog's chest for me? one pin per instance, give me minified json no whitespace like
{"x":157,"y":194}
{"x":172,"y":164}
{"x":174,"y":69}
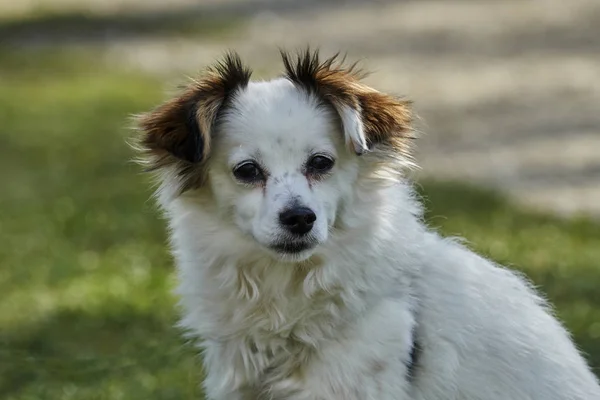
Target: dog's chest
{"x":303,"y":352}
{"x":269,"y":323}
{"x":267,"y":336}
{"x":273,"y":306}
{"x":276,"y":351}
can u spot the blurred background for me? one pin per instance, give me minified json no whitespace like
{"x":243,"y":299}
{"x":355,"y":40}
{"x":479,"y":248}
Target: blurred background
{"x":508,"y":95}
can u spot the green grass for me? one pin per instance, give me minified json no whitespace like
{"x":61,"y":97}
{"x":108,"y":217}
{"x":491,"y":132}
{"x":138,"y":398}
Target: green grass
{"x":85,"y":310}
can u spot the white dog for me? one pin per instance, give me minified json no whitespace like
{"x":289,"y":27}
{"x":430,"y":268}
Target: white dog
{"x":304,"y":264}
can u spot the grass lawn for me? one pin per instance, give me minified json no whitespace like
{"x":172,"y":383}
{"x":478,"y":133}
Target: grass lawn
{"x":85,"y":308}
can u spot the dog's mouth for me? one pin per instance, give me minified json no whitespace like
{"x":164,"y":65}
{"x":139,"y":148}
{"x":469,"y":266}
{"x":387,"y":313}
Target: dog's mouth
{"x":292,"y":247}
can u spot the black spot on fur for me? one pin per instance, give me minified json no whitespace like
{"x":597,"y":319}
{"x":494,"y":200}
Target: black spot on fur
{"x":192,"y":147}
{"x":414,"y":355}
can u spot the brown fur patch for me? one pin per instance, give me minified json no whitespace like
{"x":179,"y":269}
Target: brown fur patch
{"x":178,"y":132}
{"x":386,"y":119}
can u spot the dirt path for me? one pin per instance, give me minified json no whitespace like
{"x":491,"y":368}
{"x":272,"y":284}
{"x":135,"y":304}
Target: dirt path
{"x":508,"y":92}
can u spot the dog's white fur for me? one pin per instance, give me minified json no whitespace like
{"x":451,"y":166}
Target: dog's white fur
{"x":340,"y":320}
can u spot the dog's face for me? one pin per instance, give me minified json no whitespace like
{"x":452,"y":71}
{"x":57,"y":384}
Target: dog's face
{"x":279,"y":158}
{"x":280,"y":167}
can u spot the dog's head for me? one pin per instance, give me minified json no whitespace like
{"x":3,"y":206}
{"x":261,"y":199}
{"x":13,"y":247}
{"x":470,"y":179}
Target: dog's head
{"x":278,"y":158}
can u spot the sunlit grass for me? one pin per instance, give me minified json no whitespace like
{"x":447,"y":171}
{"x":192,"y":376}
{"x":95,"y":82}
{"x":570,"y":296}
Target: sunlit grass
{"x":86,"y":310}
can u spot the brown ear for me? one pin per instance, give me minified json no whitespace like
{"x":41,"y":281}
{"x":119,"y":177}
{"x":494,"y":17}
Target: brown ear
{"x":369,"y":118}
{"x":387,"y":121}
{"x":178,"y":132}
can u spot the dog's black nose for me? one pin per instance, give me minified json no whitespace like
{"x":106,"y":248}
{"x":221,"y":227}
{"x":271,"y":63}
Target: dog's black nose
{"x":298,"y":220}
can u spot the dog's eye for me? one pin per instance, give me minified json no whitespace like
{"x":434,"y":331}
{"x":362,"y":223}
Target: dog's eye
{"x":319,"y":164}
{"x":248,"y":172}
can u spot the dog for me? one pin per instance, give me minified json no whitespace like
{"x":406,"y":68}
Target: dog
{"x":305,"y":269}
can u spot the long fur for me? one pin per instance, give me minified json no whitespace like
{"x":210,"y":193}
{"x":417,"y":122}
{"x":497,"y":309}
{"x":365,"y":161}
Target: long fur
{"x":382,"y":307}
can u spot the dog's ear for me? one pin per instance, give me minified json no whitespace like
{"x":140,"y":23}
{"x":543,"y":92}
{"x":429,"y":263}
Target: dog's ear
{"x":369,"y":118}
{"x":386,"y":121}
{"x":179,"y":129}
{"x":179,"y":132}
{"x":353,"y":126}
